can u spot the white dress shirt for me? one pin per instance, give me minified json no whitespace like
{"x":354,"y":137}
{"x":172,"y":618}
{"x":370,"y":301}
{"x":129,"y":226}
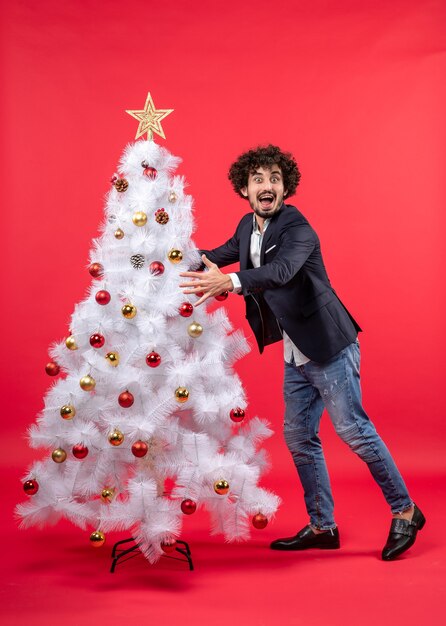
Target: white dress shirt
{"x":290,"y":350}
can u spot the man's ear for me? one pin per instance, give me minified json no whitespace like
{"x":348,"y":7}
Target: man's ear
{"x":244,"y":191}
{"x":285,"y":193}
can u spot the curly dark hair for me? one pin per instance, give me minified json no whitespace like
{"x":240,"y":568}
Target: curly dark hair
{"x":264,"y":156}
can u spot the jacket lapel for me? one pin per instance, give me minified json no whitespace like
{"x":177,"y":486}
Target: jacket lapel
{"x":245,"y":245}
{"x":269,"y":237}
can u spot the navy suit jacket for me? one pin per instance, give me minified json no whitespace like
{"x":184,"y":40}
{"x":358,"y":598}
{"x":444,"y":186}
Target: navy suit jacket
{"x":290,"y":290}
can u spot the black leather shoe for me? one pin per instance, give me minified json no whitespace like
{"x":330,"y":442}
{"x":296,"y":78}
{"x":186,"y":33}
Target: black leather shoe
{"x":307,"y":538}
{"x":402,"y":535}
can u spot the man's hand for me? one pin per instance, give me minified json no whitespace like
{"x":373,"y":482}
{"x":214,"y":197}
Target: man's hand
{"x":211,"y":283}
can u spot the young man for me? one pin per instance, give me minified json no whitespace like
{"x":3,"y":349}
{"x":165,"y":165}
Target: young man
{"x":288,"y":296}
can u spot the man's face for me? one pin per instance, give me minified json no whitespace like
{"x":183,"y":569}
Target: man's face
{"x":265,"y":191}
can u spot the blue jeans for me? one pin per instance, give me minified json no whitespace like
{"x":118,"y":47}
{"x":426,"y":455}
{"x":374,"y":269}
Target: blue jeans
{"x":334,"y":385}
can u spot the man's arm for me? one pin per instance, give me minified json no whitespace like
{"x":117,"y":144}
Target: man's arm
{"x":296,"y":245}
{"x":213,"y":282}
{"x":226,"y":254}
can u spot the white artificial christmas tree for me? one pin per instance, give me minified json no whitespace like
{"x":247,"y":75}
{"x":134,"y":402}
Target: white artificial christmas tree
{"x":148,"y":392}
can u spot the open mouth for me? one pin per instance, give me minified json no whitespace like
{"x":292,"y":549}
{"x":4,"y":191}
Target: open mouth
{"x":266,"y":200}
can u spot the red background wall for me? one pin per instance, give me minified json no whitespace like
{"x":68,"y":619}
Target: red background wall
{"x":355,"y":90}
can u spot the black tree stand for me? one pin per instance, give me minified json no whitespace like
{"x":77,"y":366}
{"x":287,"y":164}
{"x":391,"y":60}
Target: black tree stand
{"x":120,"y":555}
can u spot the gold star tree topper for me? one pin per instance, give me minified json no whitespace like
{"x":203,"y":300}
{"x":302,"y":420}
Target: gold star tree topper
{"x":150,"y":119}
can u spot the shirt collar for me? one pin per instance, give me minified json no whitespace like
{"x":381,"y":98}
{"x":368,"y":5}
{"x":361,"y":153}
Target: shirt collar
{"x":255,"y":226}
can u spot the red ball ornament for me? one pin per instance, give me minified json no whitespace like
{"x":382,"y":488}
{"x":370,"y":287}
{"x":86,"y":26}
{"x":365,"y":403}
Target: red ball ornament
{"x":126,"y":399}
{"x":237,"y":415}
{"x":188,"y":506}
{"x":79,"y":451}
{"x":97,"y":340}
{"x":169,"y":546}
{"x":31,"y":487}
{"x":96,"y":270}
{"x":186,"y":309}
{"x":52,"y":368}
{"x":103,"y":297}
{"x":156,"y":268}
{"x":140,"y":449}
{"x":150,"y":172}
{"x":153,"y":359}
{"x":260,"y":521}
{"x":222,"y":296}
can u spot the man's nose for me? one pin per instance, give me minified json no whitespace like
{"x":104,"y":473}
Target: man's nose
{"x":267,"y":185}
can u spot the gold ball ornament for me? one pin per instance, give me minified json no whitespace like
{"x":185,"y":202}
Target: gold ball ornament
{"x":194,"y":329}
{"x":221,"y":487}
{"x":116,"y":437}
{"x":119,"y":233}
{"x":97,"y":539}
{"x":70,"y":342}
{"x":87,"y":383}
{"x":139,"y":218}
{"x":175,"y":256}
{"x":129,"y":311}
{"x":107,"y":495}
{"x":181,"y":394}
{"x":67,"y":411}
{"x":173,"y":197}
{"x":112,"y":358}
{"x":58,"y":455}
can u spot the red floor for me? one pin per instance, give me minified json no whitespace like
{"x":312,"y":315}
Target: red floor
{"x":54,"y":576}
